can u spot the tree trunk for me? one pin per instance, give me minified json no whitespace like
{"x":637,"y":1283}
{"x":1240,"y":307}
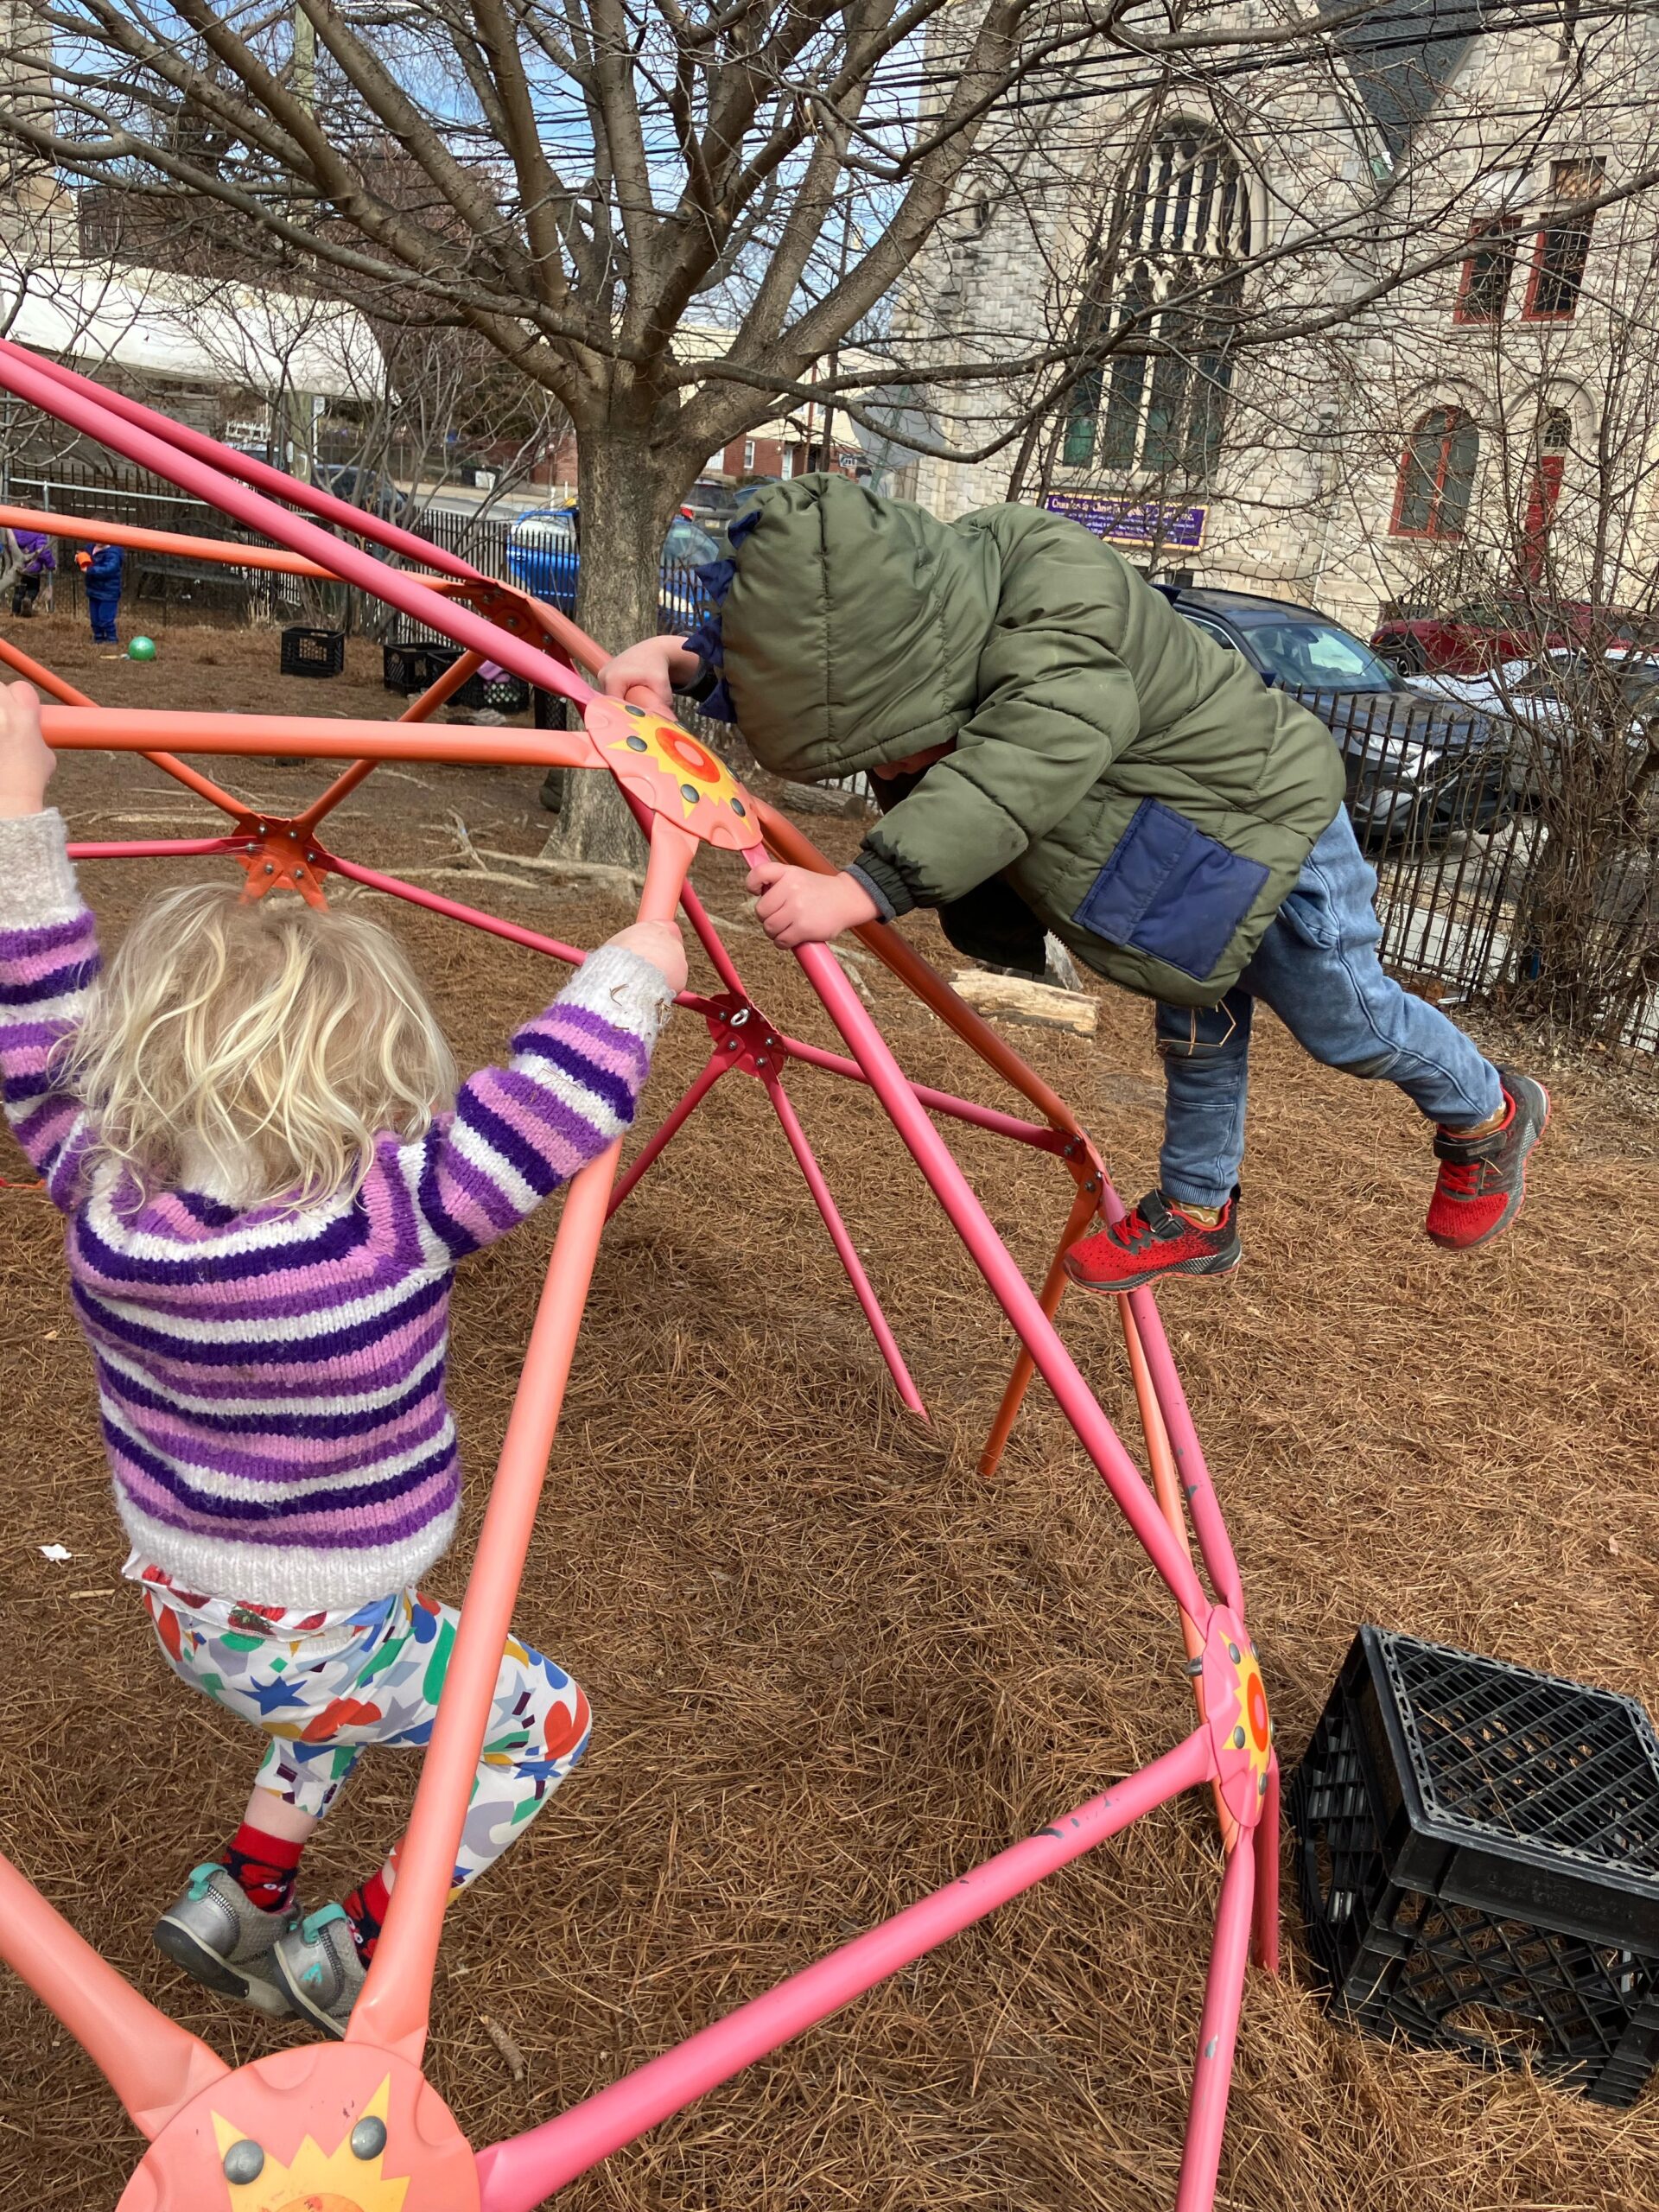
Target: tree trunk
{"x":626,"y":507}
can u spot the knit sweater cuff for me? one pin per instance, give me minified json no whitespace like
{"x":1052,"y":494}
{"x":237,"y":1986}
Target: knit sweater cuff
{"x":624,"y":988}
{"x":37,"y":878}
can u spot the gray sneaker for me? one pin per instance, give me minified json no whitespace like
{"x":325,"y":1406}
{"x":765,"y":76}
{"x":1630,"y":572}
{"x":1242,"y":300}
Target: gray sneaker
{"x":217,"y":1934}
{"x":320,"y":1968}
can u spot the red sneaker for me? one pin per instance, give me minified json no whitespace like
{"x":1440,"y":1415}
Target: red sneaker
{"x":1483,"y":1181}
{"x":1156,"y":1239}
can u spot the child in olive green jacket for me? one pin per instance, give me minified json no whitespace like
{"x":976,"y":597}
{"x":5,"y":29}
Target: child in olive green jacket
{"x":1056,"y":748}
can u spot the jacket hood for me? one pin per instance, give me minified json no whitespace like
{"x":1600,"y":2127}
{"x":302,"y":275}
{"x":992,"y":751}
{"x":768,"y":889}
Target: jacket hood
{"x":852,"y":629}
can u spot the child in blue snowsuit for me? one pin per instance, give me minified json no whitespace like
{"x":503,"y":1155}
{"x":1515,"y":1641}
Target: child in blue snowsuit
{"x":102,"y":573}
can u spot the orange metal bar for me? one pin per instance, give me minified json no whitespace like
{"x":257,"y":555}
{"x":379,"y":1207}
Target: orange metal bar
{"x":132,"y":729}
{"x":1082,"y":1213}
{"x":392,"y":2010}
{"x":418,"y":710}
{"x":46,"y":679}
{"x":153,"y":2065}
{"x":141,"y":539}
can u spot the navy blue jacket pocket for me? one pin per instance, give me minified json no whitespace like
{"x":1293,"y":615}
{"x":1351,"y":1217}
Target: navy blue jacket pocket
{"x":1171,"y":891}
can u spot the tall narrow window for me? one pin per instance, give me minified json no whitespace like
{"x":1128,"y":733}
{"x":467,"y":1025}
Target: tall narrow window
{"x":1543,"y":494}
{"x":1437,"y":476}
{"x":1185,"y":223}
{"x":1561,"y":249}
{"x":1488,"y":267}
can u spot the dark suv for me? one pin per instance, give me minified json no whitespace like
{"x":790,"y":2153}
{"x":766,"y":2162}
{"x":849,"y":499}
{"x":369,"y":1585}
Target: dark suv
{"x":1417,"y":767}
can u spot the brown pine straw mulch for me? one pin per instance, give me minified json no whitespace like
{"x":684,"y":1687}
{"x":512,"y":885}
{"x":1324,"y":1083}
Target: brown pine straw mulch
{"x":830,"y":1664}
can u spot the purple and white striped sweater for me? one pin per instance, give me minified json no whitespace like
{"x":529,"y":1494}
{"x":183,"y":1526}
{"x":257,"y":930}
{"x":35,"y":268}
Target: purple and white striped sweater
{"x":272,"y":1383}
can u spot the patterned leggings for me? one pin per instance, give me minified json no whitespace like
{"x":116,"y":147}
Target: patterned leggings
{"x":381,"y":1686}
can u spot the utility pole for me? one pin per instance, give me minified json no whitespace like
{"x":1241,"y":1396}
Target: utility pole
{"x":305,"y":57}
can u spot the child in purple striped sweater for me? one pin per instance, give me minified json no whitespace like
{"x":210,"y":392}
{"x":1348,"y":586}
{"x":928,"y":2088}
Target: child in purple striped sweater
{"x":246,"y":1122}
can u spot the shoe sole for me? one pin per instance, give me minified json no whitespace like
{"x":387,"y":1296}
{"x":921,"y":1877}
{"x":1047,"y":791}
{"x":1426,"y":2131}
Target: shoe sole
{"x":304,"y":2006}
{"x":1157,"y":1274}
{"x":191,"y":1956}
{"x":1506,"y":1219}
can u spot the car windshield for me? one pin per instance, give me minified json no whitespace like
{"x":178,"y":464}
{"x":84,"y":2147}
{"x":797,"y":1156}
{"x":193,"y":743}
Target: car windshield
{"x":1318,"y":657}
{"x":688,"y":545}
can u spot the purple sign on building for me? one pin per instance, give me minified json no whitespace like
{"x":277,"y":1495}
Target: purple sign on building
{"x":1132,"y":522}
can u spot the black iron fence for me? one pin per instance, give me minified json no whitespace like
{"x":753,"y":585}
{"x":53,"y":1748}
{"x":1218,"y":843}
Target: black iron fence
{"x":1477,"y":825}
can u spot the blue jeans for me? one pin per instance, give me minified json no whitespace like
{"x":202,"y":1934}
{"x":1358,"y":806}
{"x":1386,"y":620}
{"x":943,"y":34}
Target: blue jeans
{"x":1317,"y":968}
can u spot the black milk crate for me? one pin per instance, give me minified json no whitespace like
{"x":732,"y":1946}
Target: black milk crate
{"x":408,"y":668}
{"x":411,"y":668}
{"x":505,"y":694}
{"x":313,"y":652}
{"x":1477,"y":1852}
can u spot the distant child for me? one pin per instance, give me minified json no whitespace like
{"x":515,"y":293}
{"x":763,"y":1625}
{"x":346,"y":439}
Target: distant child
{"x":1054,"y":747}
{"x":101,"y":570}
{"x":36,"y":562}
{"x":247,"y":1120}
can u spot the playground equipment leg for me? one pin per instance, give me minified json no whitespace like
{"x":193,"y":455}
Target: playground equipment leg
{"x":784,"y":1106}
{"x":1218,"y":2034}
{"x":393,"y":2007}
{"x":516,"y":2175}
{"x":153,"y":2065}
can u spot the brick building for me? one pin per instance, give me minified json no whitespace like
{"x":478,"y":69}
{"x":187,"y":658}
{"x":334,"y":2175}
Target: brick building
{"x":1495,"y":418}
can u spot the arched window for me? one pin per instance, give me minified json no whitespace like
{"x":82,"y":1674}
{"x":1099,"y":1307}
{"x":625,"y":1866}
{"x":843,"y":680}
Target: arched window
{"x":1437,"y":476}
{"x":1544,"y":493}
{"x":1184,"y":224}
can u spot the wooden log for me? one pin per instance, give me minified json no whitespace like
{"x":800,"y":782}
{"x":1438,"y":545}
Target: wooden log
{"x":1012,"y":998}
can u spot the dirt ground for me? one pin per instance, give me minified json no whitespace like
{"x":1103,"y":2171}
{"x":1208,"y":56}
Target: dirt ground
{"x":830,"y":1663}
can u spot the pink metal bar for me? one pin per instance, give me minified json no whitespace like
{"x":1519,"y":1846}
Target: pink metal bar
{"x":393,"y":2007}
{"x":21,"y":374}
{"x":395,"y":888}
{"x":156,"y":849}
{"x":938,"y":1101}
{"x":523,"y":2172}
{"x":153,"y":2065}
{"x":257,"y":473}
{"x":492,"y":924}
{"x":1214,"y":1545}
{"x":1013,"y":1292}
{"x":714,"y":1068}
{"x":1265,"y":1935}
{"x":784,"y":1106}
{"x":708,"y":938}
{"x":1224,"y":1994}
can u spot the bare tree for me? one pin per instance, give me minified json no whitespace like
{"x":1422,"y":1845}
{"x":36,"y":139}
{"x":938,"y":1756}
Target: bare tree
{"x":575,"y":182}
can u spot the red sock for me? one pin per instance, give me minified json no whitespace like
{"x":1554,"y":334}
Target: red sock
{"x":367,"y":1909}
{"x":263,"y":1867}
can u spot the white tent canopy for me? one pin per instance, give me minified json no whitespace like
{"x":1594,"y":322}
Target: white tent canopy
{"x":193,"y":329}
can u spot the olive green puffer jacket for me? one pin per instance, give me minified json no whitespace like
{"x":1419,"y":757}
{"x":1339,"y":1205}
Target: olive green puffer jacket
{"x":1141,"y":790}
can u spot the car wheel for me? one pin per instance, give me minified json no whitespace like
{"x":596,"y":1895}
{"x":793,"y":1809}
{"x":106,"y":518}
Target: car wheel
{"x":1403,"y":656}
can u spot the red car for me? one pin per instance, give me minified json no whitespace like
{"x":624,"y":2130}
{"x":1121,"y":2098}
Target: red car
{"x":1483,"y":633}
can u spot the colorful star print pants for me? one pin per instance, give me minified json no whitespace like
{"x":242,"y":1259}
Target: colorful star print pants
{"x":381,"y":1686}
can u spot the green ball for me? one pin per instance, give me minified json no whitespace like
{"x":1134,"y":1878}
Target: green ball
{"x":141,"y":649}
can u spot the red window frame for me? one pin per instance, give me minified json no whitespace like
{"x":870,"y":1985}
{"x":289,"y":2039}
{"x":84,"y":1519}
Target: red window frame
{"x":1454,"y":421}
{"x":1496,"y":229}
{"x":1584,"y":225}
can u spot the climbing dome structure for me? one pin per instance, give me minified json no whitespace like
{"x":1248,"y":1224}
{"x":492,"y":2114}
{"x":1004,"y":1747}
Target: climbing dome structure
{"x":353,"y":2125}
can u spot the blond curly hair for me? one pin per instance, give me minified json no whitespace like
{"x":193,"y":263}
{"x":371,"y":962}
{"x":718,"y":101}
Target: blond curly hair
{"x":260,"y":1048}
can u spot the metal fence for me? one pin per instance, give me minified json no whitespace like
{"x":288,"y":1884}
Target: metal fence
{"x":1459,"y":811}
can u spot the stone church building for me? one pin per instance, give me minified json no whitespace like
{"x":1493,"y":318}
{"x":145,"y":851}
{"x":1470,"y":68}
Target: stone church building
{"x":1368,"y":331}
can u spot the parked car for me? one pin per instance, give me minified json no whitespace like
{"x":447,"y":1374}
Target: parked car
{"x":364,"y":487}
{"x":1415,"y":767}
{"x":1483,"y":633}
{"x":545,"y":556}
{"x":1553,"y":694}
